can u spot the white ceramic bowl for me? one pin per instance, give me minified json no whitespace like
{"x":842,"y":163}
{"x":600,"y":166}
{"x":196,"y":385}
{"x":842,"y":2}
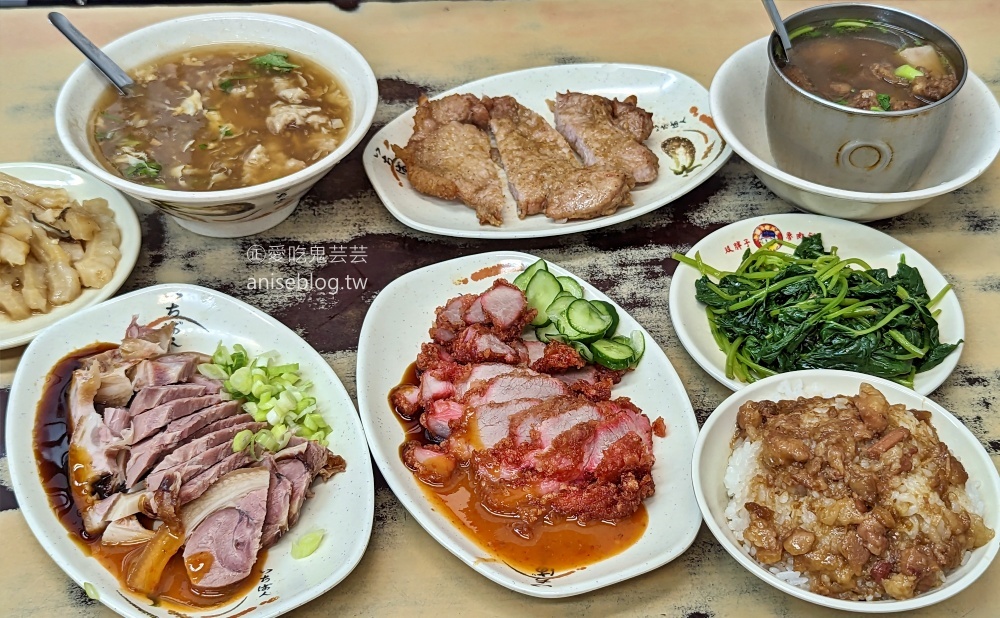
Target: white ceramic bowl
{"x":971,"y":142}
{"x":712,"y":452}
{"x":343,"y":507}
{"x":233,"y":212}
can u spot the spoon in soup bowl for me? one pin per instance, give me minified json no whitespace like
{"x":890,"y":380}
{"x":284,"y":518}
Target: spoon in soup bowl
{"x":115,"y":74}
{"x":779,"y":25}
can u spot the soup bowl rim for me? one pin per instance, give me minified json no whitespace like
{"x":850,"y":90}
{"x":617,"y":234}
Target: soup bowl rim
{"x":772,"y":42}
{"x":356,"y":132}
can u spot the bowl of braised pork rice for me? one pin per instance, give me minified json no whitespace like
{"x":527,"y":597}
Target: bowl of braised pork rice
{"x":848,"y":491}
{"x":232,"y":117}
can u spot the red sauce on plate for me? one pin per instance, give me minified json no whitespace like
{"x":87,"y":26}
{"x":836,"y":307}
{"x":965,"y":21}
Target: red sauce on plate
{"x":546,"y":547}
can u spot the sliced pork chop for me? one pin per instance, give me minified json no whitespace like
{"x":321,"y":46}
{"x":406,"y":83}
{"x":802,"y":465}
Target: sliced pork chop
{"x":589,"y":124}
{"x":448,"y":155}
{"x":543,"y":173}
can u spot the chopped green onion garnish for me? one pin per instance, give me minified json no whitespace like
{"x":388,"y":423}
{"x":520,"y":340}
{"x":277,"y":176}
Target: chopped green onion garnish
{"x":908,"y":72}
{"x":91,"y":590}
{"x":306,"y":544}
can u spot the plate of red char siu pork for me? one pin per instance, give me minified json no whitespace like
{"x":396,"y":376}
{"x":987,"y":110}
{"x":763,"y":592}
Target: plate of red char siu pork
{"x":528,"y":423}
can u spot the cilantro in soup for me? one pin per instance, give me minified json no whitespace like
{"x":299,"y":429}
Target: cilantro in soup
{"x":221,"y":117}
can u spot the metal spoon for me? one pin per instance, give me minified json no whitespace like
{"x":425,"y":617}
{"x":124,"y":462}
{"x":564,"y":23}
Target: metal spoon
{"x":779,"y":25}
{"x":105,"y":65}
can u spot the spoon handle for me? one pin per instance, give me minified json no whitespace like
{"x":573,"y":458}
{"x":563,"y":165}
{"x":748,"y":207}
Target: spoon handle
{"x":779,"y":24}
{"x":103,"y":63}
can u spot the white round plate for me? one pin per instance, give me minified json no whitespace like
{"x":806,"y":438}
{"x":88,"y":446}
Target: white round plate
{"x":713,"y":450}
{"x":724,"y":248}
{"x":394,"y":328}
{"x":81,"y":186}
{"x":679,"y":106}
{"x":343,"y":507}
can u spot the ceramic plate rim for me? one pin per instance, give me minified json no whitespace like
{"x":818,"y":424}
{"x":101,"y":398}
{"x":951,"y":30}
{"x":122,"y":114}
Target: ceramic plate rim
{"x":405,"y":487}
{"x":973,"y":83}
{"x":131,"y":239}
{"x":725,"y":411}
{"x":553,"y":229}
{"x":682,"y":304}
{"x":25,"y":477}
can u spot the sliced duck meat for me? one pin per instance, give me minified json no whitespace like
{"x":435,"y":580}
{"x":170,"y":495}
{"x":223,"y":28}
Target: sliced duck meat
{"x":299,"y":478}
{"x":117,"y":419}
{"x":151,"y":421}
{"x":146,"y":454}
{"x":126,"y":531}
{"x":439,"y":417}
{"x":208,"y":436}
{"x":116,"y":387}
{"x":158,"y":335}
{"x":96,"y":471}
{"x":200,"y":483}
{"x":211,"y":385}
{"x":167,"y":369}
{"x":589,"y":124}
{"x":279,"y":496}
{"x":201,"y":454}
{"x":149,"y":398}
{"x":223,"y":528}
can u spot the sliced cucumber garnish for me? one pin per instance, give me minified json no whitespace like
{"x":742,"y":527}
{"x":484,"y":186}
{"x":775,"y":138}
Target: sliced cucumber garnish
{"x":583,"y":351}
{"x":569,"y":284}
{"x":524,"y":278}
{"x":586,"y":318}
{"x":558,"y":306}
{"x":638,"y":346}
{"x":612,"y":354}
{"x":548,"y":333}
{"x":542,"y":290}
{"x":610,"y":311}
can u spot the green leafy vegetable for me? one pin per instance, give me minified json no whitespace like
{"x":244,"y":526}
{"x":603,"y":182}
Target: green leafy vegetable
{"x":145,"y":169}
{"x":883,"y":101}
{"x":800,"y":31}
{"x":908,"y":72}
{"x":306,"y":544}
{"x":810,"y":309}
{"x":276,"y":61}
{"x":227,"y":84}
{"x":273,"y":393}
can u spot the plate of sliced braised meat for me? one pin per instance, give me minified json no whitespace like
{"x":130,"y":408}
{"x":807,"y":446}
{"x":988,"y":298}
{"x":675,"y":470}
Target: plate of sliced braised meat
{"x":546,"y":151}
{"x":177,"y":451}
{"x":528,"y":423}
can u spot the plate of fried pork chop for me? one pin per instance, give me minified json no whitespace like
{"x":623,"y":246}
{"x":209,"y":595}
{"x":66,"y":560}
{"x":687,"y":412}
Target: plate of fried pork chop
{"x":542,"y":446}
{"x":546,"y":151}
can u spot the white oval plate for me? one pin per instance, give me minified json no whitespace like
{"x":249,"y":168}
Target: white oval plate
{"x":394,"y":328}
{"x":719,"y":249}
{"x":679,"y":106}
{"x":712,"y":454}
{"x":343,"y":507}
{"x":81,"y":186}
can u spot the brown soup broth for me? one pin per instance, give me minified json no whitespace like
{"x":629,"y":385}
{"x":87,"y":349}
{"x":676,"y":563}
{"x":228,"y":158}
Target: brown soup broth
{"x":220,"y":117}
{"x":51,"y":446}
{"x":836,"y":62}
{"x":550,"y":546}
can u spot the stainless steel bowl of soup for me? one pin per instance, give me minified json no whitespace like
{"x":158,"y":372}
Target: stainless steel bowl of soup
{"x":861,"y":101}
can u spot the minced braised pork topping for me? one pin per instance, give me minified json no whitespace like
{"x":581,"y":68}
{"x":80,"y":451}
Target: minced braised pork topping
{"x":862,"y":498}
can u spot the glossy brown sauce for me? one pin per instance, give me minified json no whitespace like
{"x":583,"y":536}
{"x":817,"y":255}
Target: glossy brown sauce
{"x":548,"y":546}
{"x":51,"y":445}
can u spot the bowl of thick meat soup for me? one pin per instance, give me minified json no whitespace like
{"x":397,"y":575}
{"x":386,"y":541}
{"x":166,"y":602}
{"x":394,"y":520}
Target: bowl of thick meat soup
{"x":232,"y":118}
{"x":848,"y":491}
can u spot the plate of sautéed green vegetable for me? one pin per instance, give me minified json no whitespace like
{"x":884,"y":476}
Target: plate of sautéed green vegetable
{"x":786,"y":292}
